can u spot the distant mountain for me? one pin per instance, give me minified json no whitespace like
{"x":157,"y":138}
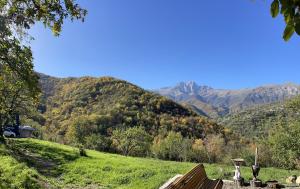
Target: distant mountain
{"x":110,"y":103}
{"x":219,"y":102}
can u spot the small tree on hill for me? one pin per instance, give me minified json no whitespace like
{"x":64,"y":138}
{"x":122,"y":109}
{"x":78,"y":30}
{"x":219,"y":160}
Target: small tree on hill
{"x":133,"y":141}
{"x":215,"y":147}
{"x":173,"y":147}
{"x":199,"y":151}
{"x":79,"y":129}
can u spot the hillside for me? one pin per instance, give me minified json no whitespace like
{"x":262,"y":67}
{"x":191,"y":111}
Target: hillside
{"x":115,"y":116}
{"x":219,"y":102}
{"x":257,"y":121}
{"x":29,"y":163}
{"x":109,"y":103}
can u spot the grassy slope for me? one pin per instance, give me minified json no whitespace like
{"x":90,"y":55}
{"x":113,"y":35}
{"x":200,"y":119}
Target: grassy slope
{"x":48,"y":164}
{"x":14,"y":174}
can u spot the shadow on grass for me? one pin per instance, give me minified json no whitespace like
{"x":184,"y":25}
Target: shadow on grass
{"x":47,"y":160}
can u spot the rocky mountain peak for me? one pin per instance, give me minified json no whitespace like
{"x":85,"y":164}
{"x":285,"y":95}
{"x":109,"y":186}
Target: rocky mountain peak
{"x":206,"y":98}
{"x":191,"y":88}
{"x":187,"y":87}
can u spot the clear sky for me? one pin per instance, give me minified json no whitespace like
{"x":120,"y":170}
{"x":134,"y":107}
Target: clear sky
{"x":157,"y":43}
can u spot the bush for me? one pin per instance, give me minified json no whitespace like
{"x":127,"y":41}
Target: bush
{"x":81,"y":150}
{"x":98,"y":142}
{"x":285,"y":145}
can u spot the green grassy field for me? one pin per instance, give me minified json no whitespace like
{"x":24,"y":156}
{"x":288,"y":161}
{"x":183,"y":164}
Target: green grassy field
{"x":30,"y":163}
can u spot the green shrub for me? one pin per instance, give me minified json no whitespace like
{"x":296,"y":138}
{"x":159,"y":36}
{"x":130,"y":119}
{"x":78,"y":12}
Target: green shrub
{"x":81,"y":150}
{"x":285,"y":145}
{"x":98,"y":142}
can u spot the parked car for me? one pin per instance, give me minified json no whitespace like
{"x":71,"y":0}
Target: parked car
{"x":8,"y":133}
{"x":26,"y":131}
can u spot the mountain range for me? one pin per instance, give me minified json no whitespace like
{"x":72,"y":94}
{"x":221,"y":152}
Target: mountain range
{"x":216,"y":103}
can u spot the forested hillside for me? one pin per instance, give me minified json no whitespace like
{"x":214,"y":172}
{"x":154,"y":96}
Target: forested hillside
{"x":116,"y":103}
{"x":259,"y":120}
{"x":105,"y":113}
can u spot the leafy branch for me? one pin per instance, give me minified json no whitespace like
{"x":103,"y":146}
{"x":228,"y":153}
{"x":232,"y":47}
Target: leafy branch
{"x":290,"y":10}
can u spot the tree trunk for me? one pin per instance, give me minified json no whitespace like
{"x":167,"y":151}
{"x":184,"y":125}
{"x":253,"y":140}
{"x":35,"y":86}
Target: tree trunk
{"x":1,"y":135}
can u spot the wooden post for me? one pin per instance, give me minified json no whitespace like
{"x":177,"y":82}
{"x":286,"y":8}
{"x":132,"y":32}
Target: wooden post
{"x":256,"y":156}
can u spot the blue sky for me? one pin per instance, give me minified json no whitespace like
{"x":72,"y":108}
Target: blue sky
{"x":156,"y":43}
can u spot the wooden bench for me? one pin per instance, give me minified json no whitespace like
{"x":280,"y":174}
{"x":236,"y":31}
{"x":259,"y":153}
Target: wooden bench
{"x":196,"y":179}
